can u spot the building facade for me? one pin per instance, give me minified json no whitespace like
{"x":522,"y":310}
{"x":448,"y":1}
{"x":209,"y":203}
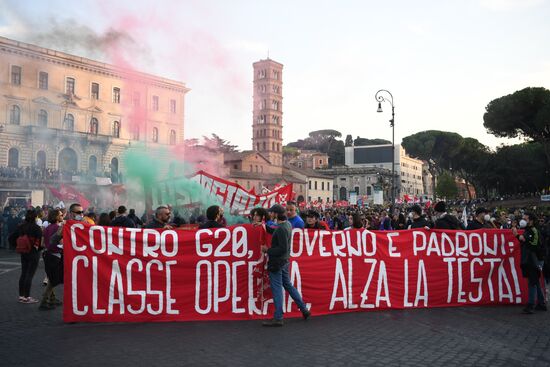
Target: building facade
{"x":310,"y":159}
{"x":409,"y":173}
{"x":76,"y":116}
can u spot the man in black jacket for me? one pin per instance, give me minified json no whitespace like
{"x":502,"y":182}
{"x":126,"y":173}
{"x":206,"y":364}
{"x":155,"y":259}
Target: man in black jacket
{"x":418,"y":220}
{"x":277,"y":266}
{"x":161,"y":218}
{"x":213,"y":214}
{"x":122,"y":220}
{"x":479,"y":220}
{"x":444,"y":220}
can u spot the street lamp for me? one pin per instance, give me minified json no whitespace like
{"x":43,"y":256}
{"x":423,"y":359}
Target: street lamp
{"x":379,"y":96}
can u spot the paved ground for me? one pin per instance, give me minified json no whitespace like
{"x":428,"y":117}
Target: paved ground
{"x":475,"y":336}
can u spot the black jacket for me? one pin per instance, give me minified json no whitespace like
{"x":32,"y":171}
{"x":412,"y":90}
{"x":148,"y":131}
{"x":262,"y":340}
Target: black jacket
{"x":280,"y":246}
{"x":448,"y":222}
{"x":420,"y":222}
{"x":473,"y":225}
{"x":210,"y":224}
{"x":123,"y":221}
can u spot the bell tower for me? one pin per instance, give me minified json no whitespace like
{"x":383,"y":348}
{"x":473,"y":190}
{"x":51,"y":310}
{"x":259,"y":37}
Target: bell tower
{"x":267,"y":123}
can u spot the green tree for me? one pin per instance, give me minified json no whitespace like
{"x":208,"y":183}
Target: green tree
{"x":361,"y":142}
{"x":217,"y":143}
{"x":469,"y":163}
{"x":446,"y":186}
{"x":349,"y":141}
{"x":525,"y":113}
{"x":437,"y":148}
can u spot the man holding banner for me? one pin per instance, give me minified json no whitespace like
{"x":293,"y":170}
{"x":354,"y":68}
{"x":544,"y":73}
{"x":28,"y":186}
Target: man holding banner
{"x":277,"y":266}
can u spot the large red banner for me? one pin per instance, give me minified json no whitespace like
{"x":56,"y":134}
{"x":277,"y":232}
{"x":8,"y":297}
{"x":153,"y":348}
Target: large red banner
{"x":130,"y":274}
{"x":237,"y":197}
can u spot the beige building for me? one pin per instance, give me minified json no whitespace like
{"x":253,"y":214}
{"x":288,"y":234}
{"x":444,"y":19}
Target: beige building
{"x":408,"y":171}
{"x":308,"y":159}
{"x":75,"y":115}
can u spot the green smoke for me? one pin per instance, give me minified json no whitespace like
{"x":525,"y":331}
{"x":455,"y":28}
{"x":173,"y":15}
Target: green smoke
{"x":166,"y":177}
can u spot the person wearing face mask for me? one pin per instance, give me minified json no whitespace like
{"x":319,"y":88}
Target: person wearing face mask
{"x":481,"y":220}
{"x":417,"y":219}
{"x":444,"y":220}
{"x":532,"y":256}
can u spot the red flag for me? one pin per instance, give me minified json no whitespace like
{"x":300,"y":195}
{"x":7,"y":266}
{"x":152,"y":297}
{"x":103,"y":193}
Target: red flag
{"x":71,"y":194}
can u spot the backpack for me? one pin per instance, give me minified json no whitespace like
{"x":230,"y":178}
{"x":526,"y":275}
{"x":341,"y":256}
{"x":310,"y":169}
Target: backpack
{"x":24,"y":244}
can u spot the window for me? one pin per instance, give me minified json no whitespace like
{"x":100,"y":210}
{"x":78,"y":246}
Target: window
{"x":315,"y":185}
{"x":320,"y":161}
{"x":236,"y":166}
{"x":135,"y":100}
{"x":16,"y":75}
{"x":250,"y":168}
{"x":69,"y":122}
{"x":256,"y":168}
{"x":155,"y":103}
{"x":309,"y":185}
{"x":272,"y":146}
{"x":328,"y":186}
{"x":15,"y":115}
{"x":357,"y":189}
{"x":275,"y":74}
{"x":95,"y":91}
{"x":43,"y":118}
{"x":369,"y":190}
{"x":173,"y":106}
{"x":261,"y":74}
{"x":264,"y":146}
{"x":69,"y":86}
{"x":258,"y":147}
{"x":323,"y":185}
{"x":41,"y":160}
{"x":92,"y":164}
{"x":172,"y":137}
{"x":261,"y":169}
{"x":275,"y":120}
{"x":116,"y":95}
{"x":94,"y":126}
{"x":116,"y":129}
{"x":155,"y":135}
{"x":263,"y":104}
{"x":43,"y":80}
{"x":278,"y":147}
{"x":13,"y":158}
{"x":275,"y":105}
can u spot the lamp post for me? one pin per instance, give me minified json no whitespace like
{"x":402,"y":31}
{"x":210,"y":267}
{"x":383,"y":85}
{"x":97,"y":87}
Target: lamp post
{"x":382,"y":96}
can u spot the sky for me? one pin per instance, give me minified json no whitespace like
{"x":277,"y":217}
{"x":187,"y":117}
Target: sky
{"x":443,"y":61}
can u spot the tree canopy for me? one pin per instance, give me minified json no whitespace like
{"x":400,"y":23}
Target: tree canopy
{"x":222,"y":145}
{"x":525,"y":113}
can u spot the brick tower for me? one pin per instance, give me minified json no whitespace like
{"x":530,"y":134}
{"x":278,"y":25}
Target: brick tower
{"x":267,"y":123}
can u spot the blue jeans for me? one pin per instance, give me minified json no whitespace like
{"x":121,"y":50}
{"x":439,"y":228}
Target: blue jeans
{"x":279,"y":280}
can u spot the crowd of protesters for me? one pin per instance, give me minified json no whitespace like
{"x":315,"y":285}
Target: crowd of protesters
{"x":47,"y":174}
{"x":42,"y":227}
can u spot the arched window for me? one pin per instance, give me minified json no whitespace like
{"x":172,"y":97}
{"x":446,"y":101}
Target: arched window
{"x":155,"y":135}
{"x":94,"y":126}
{"x":264,"y":146}
{"x":15,"y":115}
{"x":92,"y":164}
{"x":13,"y":158}
{"x":114,"y":170}
{"x":67,"y":161}
{"x":172,"y":137}
{"x":43,"y":118}
{"x":69,"y":122}
{"x":116,"y":129}
{"x":41,"y":160}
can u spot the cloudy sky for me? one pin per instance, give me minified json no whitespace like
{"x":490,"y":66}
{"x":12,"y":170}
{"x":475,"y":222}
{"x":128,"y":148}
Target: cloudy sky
{"x":442,"y":60}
